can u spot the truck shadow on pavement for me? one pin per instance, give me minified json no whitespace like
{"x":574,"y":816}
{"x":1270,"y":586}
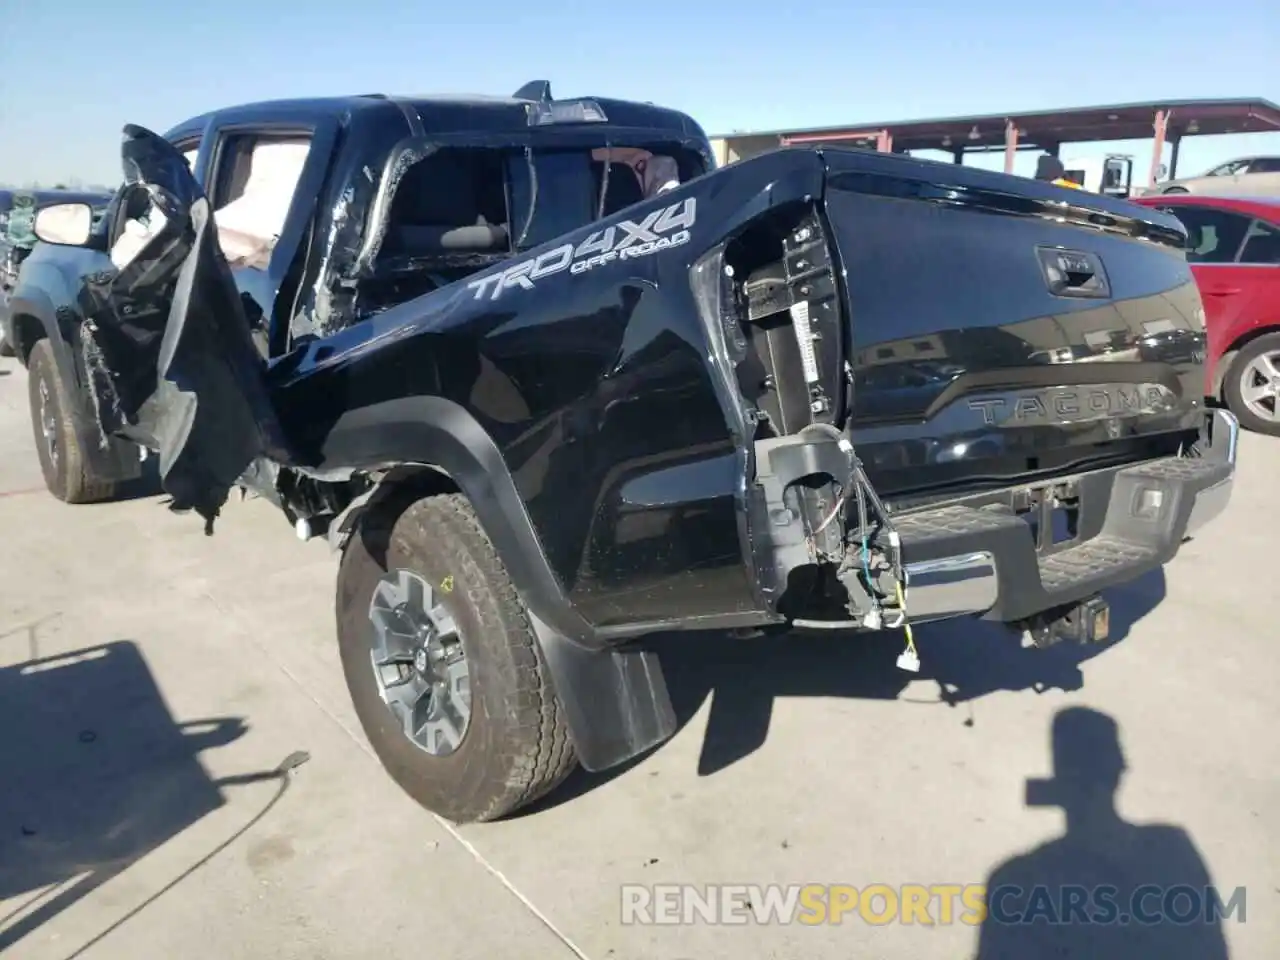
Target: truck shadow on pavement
{"x":1105,"y":889}
{"x":966,"y":660}
{"x":96,"y":774}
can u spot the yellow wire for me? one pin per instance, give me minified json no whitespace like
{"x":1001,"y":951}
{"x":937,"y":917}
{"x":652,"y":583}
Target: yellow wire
{"x":906,"y":624}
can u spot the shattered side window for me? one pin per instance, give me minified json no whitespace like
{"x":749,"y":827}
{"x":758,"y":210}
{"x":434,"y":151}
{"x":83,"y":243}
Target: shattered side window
{"x":452,"y":201}
{"x":477,"y":202}
{"x":142,"y":219}
{"x":552,"y":196}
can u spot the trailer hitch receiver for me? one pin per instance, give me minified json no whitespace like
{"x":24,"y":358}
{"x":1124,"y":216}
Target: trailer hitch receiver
{"x":1088,"y":621}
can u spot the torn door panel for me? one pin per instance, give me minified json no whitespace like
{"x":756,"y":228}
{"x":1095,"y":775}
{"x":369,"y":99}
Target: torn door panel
{"x":168,"y":344}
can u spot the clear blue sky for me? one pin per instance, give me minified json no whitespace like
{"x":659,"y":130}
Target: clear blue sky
{"x":72,"y":73}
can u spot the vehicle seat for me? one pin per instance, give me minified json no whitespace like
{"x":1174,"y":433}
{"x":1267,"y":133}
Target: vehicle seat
{"x":429,"y":237}
{"x":437,"y":209}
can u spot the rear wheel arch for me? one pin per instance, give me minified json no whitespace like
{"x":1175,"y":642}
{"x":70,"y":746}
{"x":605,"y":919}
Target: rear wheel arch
{"x":439,"y":448}
{"x":390,"y":495}
{"x":615,"y":701}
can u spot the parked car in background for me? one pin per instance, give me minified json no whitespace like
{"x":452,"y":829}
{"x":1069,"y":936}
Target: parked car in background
{"x":18,"y":210}
{"x":1233,"y":246}
{"x":1246,"y":176}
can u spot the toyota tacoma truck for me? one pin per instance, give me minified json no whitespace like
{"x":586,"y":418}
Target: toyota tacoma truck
{"x":821,"y":388}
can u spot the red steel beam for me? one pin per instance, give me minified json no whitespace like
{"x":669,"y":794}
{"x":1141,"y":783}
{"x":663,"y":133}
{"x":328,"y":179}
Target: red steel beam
{"x":831,"y":137}
{"x":1161,"y":127}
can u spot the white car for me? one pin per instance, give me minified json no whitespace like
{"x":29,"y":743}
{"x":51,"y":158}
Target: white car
{"x":1243,"y":177}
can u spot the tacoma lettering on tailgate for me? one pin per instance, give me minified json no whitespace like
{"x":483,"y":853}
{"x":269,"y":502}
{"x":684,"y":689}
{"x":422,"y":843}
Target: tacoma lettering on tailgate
{"x":1074,"y":404}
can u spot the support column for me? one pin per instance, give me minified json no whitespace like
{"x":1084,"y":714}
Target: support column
{"x":1160,"y":126}
{"x":1176,"y":141}
{"x":1010,"y":145}
{"x":884,"y":141}
{"x":957,"y":156}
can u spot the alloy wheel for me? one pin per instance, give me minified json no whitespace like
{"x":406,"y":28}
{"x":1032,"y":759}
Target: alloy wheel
{"x":48,"y":423}
{"x":1260,"y":386}
{"x":419,"y":662}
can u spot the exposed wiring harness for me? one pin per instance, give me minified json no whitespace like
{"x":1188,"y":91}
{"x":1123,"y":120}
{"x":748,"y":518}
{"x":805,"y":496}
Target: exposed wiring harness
{"x":906,"y":624}
{"x":875,"y":618}
{"x":835,"y":511}
{"x":910,"y":659}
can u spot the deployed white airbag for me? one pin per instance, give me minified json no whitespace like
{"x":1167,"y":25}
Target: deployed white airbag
{"x":249,"y":226}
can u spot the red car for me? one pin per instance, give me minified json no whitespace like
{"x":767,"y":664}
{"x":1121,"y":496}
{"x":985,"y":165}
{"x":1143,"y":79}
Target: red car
{"x":1234,"y":251}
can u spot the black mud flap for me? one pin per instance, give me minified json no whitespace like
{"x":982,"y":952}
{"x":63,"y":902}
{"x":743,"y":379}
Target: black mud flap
{"x":615,"y":701}
{"x":167,"y":342}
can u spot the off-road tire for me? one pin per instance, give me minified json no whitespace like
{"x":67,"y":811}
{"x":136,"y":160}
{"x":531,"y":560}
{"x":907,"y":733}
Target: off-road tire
{"x":1267,"y":343}
{"x":70,"y":479}
{"x":516,"y":747}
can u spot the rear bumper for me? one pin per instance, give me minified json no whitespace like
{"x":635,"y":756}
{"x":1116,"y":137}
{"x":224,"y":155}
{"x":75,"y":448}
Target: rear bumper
{"x":977,"y":558}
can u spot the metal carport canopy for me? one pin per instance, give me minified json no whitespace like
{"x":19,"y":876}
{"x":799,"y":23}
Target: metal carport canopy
{"x":1048,"y":129}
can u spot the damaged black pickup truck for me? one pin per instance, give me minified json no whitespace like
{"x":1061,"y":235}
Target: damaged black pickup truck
{"x":827,"y":389}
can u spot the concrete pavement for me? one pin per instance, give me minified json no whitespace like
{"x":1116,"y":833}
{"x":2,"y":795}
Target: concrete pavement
{"x":152,"y":680}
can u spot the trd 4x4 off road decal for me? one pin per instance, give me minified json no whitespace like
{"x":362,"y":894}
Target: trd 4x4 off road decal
{"x":625,"y":240}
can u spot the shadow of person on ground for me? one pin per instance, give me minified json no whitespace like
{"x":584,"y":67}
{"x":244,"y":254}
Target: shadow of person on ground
{"x":1105,"y":889}
{"x":967,"y":659}
{"x":96,"y":774}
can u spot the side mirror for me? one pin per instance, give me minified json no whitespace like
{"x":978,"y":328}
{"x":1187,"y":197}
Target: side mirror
{"x":1162,"y":172}
{"x":65,"y":224}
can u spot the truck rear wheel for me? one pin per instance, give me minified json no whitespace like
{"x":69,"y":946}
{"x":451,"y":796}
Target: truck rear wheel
{"x":1252,"y":385}
{"x":66,"y":470}
{"x":443,"y":667}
